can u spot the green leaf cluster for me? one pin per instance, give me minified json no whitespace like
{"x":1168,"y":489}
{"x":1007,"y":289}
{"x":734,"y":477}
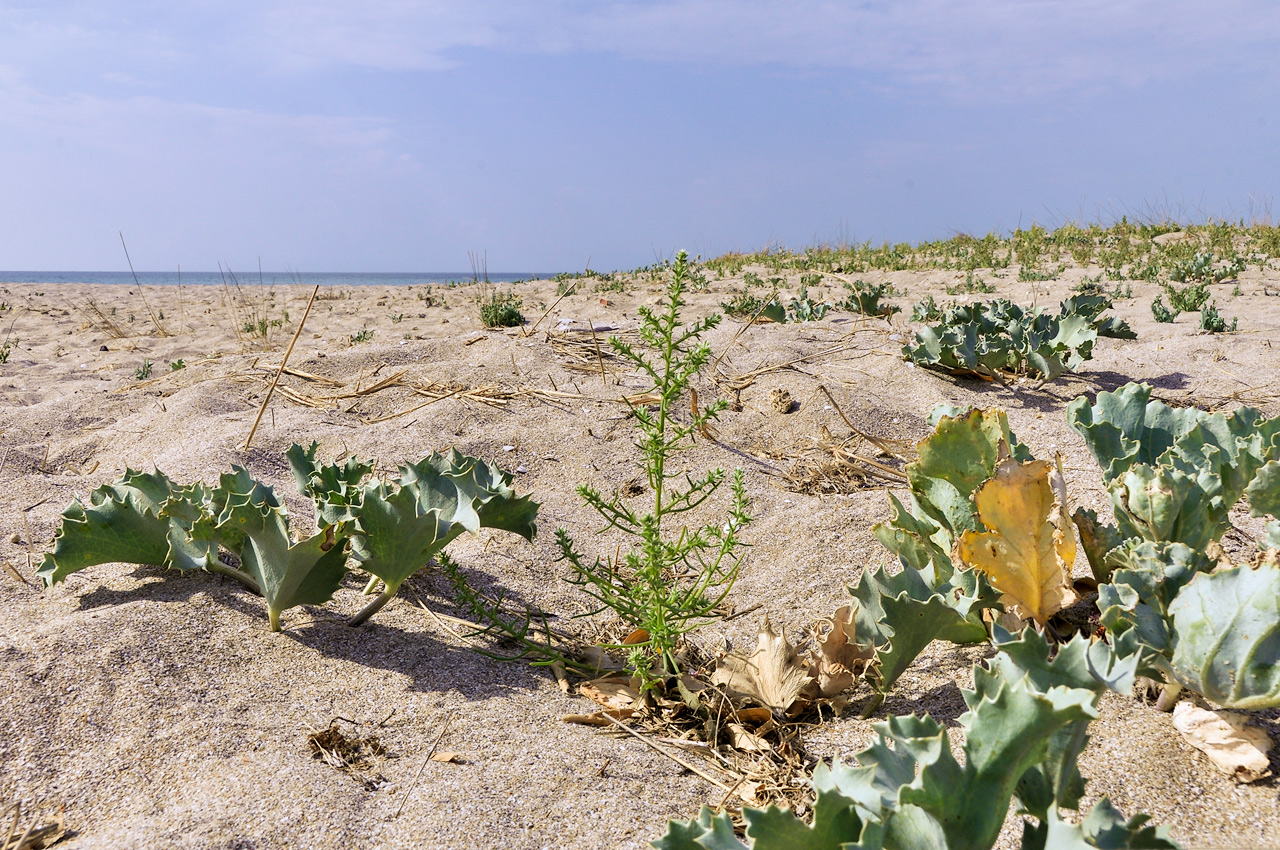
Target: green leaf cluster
{"x":990,"y":338}
{"x":241,"y":529}
{"x":1173,"y":476}
{"x":865,"y":298}
{"x":1025,"y":727}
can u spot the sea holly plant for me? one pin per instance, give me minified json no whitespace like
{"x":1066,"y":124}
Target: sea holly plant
{"x":997,"y":338}
{"x":647,"y":585}
{"x":1026,"y":726}
{"x":241,"y":529}
{"x":1174,"y":476}
{"x":400,"y":525}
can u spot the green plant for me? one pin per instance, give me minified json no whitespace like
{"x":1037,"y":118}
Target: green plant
{"x":1187,"y":299}
{"x":1162,"y":313}
{"x":750,"y":279}
{"x":6,"y":347}
{"x":1236,"y":291}
{"x":648,"y":586}
{"x":805,"y":309}
{"x":175,"y":365}
{"x":500,"y":309}
{"x":1213,"y":322}
{"x":362,"y":335}
{"x":971,"y":284}
{"x":993,"y":337}
{"x":1203,"y":267}
{"x":742,"y":305}
{"x":1174,"y":476}
{"x":928,"y":310}
{"x":143,"y":372}
{"x":1026,"y":725}
{"x":865,"y":298}
{"x":394,"y":527}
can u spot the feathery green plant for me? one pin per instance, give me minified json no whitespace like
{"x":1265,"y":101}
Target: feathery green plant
{"x":668,"y":583}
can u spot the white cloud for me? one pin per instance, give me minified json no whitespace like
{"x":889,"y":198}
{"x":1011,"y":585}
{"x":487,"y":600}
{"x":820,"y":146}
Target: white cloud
{"x":1015,"y":47}
{"x":963,"y":48}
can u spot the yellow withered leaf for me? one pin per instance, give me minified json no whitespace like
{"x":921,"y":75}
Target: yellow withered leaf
{"x":1030,"y":546}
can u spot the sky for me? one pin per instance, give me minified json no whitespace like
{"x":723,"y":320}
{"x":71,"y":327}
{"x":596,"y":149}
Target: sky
{"x":553,"y":135}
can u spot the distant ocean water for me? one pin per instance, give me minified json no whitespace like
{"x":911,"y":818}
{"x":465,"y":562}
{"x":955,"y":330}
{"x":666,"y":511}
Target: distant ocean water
{"x":305,"y":278}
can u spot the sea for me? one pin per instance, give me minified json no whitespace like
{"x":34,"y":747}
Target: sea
{"x":269,"y":278}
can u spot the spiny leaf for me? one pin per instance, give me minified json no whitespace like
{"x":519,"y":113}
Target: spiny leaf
{"x":900,"y":615}
{"x":1030,"y":547}
{"x":1227,"y":628}
{"x":1104,"y":828}
{"x":709,"y":831}
{"x":947,"y":804}
{"x":335,"y":489}
{"x":1098,"y":540}
{"x":396,"y":536}
{"x":305,"y":573}
{"x":1125,"y":427}
{"x":122,"y":523}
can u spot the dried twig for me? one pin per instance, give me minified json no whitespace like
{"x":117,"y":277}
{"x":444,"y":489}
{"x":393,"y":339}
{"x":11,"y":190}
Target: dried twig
{"x":447,"y":720}
{"x":276,"y":379}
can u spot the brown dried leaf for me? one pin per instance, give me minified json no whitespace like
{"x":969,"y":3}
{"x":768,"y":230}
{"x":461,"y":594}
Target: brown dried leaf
{"x":598,"y":718}
{"x":638,"y":636}
{"x":754,"y":715}
{"x":746,"y":740}
{"x":1238,"y":750}
{"x":447,"y":758}
{"x":773,"y":675}
{"x":836,"y":659}
{"x":610,"y":692}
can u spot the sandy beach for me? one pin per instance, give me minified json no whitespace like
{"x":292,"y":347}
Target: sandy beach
{"x":158,"y":710}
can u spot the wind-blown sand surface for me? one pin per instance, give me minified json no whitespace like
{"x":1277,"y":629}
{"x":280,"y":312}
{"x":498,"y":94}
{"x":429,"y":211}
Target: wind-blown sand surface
{"x":159,"y":711}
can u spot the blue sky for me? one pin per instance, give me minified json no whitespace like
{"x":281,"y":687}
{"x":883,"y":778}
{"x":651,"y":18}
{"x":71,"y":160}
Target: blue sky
{"x":393,"y":135}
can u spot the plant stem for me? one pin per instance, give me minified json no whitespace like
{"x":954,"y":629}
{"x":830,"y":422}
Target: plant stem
{"x":273,"y":617}
{"x":374,"y":607}
{"x":1168,"y":697}
{"x":239,"y":575}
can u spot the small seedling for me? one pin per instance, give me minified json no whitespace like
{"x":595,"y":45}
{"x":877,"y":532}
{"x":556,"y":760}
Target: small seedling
{"x":1162,"y":314}
{"x":177,"y":364}
{"x":362,"y":335}
{"x":5,"y":347}
{"x":144,"y":371}
{"x":1213,"y":322}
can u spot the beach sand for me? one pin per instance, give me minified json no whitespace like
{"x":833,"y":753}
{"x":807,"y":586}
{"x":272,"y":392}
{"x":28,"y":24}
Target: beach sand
{"x":158,"y":710}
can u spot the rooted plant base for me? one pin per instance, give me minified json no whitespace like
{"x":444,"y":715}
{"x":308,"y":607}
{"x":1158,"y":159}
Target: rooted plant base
{"x":163,"y":713}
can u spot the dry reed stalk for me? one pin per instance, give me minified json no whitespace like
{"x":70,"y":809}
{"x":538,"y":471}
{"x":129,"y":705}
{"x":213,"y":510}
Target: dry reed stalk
{"x":285,"y":360}
{"x":141,"y":294}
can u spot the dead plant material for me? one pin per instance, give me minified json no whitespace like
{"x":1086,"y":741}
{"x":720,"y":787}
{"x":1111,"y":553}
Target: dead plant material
{"x":100,"y":321}
{"x":357,"y":757}
{"x":746,"y":379}
{"x":276,"y":380}
{"x":781,"y":400}
{"x":43,"y":830}
{"x":834,"y":466}
{"x":581,"y":350}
